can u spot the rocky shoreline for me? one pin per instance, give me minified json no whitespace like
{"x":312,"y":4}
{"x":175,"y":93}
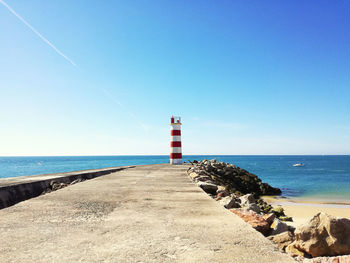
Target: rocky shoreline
{"x":323,"y":239}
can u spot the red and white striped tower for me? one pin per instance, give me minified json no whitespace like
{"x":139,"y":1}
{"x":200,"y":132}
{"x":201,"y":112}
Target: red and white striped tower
{"x":175,"y":143}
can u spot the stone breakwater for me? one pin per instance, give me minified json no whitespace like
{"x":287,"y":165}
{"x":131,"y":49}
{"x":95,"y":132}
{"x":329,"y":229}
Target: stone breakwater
{"x":323,"y":239}
{"x":238,"y":190}
{"x":236,"y":180}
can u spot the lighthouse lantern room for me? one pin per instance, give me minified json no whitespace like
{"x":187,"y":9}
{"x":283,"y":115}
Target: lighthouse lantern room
{"x":175,"y":142}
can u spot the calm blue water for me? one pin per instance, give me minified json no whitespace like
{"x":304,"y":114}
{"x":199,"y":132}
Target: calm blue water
{"x":322,"y":177}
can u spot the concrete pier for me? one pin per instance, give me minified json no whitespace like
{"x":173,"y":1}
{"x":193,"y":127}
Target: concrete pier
{"x":148,"y":213}
{"x":17,"y":189}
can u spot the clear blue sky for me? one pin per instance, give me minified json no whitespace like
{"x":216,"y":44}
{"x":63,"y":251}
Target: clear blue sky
{"x":247,"y":77}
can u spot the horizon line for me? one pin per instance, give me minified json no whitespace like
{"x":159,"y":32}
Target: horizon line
{"x":116,"y":155}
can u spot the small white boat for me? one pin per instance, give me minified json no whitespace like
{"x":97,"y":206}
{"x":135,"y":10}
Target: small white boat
{"x":298,"y":165}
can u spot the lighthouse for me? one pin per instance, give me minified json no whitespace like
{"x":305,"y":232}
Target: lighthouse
{"x":175,"y":142}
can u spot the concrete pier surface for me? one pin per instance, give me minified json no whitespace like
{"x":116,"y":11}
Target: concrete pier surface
{"x":17,"y":189}
{"x":150,"y":213}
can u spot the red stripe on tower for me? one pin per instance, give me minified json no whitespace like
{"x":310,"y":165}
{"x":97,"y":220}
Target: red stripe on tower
{"x":176,"y":156}
{"x":175,"y":142}
{"x":175,"y":133}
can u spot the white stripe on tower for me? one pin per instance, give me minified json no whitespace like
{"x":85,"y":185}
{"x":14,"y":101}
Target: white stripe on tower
{"x":175,"y":142}
{"x":176,"y":150}
{"x":175,"y":138}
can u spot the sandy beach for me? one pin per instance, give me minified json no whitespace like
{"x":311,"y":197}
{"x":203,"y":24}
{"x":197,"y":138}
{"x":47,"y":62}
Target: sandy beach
{"x":303,"y":209}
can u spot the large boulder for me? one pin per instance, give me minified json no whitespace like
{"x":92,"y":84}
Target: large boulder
{"x":324,"y":235}
{"x":254,"y":219}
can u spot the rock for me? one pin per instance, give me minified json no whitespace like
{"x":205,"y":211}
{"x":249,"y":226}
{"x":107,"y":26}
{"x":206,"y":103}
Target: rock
{"x":224,"y":201}
{"x":324,"y":235}
{"x":209,"y":169}
{"x":248,"y":203}
{"x":267,"y":189}
{"x":264,"y":207}
{"x":230,"y":202}
{"x":278,"y":227}
{"x":252,"y":207}
{"x":221,"y":195}
{"x":221,"y":188}
{"x":247,"y":199}
{"x":228,"y":170}
{"x":193,"y":175}
{"x":278,"y":211}
{"x":291,"y":229}
{"x":220,"y":172}
{"x":213,"y":177}
{"x":338,"y":259}
{"x":63,"y":185}
{"x":286,"y":218}
{"x":203,"y":178}
{"x":76,"y":181}
{"x":55,"y":185}
{"x":255,"y":220}
{"x":293,"y":251}
{"x":208,"y":187}
{"x":269,"y":218}
{"x":282,"y":240}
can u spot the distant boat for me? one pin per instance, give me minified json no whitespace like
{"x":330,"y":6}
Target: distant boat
{"x":298,"y":164}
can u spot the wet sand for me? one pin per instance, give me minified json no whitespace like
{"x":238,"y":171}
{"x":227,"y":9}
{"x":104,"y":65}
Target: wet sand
{"x":303,"y":210}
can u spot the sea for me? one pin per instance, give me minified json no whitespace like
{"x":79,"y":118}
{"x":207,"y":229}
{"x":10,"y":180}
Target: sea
{"x":322,"y":178}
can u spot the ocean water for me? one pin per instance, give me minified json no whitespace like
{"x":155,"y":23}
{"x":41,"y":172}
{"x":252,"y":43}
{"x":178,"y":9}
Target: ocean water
{"x":322,"y":178}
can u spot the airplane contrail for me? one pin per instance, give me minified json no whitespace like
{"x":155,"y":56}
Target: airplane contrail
{"x":132,"y":115}
{"x":37,"y":33}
